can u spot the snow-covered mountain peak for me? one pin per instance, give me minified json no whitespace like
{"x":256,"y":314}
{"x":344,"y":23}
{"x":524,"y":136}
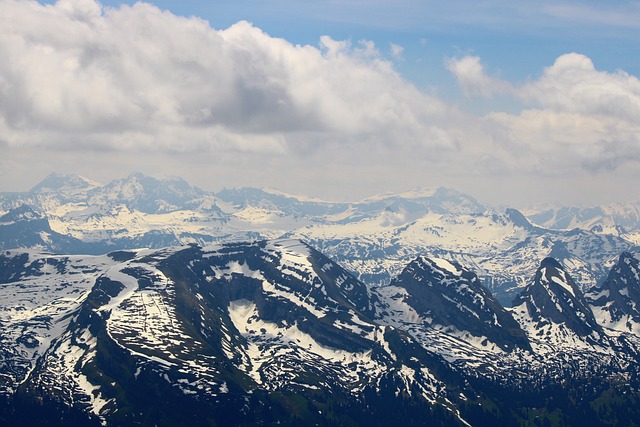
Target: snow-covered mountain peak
{"x":446,"y":268}
{"x":439,"y":200}
{"x":553,"y":279}
{"x":417,"y":193}
{"x":620,"y":219}
{"x":373,"y":239}
{"x":147,"y":194}
{"x":23,"y":227}
{"x":616,"y":302}
{"x":64,"y":183}
{"x":149,"y":183}
{"x":294,"y":246}
{"x":421,"y":192}
{"x":518,"y":219}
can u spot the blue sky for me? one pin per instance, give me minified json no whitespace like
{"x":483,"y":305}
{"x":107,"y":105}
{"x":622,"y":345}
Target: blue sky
{"x":516,"y":38}
{"x":504,"y":100}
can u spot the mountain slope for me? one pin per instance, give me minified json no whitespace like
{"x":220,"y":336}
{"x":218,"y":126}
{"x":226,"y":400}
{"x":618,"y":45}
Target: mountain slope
{"x":149,"y":195}
{"x":451,"y":299}
{"x":617,"y":301}
{"x":274,"y":332}
{"x":137,"y":211}
{"x":601,"y":218}
{"x":620,"y":219}
{"x":22,"y":227}
{"x":373,"y":238}
{"x":238,"y":331}
{"x":502,"y":248}
{"x":554,"y":308}
{"x":38,"y":296}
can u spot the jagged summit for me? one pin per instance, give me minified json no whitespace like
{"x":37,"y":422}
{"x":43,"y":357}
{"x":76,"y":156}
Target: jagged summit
{"x":518,"y":219}
{"x":450,"y":298}
{"x":615,"y":218}
{"x":553,"y":305}
{"x":616,"y":303}
{"x":553,"y":264}
{"x":147,"y":194}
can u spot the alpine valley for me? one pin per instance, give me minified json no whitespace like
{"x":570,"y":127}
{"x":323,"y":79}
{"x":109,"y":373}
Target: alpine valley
{"x":152,"y":302}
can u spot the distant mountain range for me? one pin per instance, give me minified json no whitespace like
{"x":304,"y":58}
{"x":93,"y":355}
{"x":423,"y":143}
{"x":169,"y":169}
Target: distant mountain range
{"x":618,"y":218}
{"x":373,"y":238}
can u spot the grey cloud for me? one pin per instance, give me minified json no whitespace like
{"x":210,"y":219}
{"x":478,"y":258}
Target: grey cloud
{"x":613,"y":154}
{"x":135,"y":85}
{"x":625,"y":14}
{"x":140,"y":74}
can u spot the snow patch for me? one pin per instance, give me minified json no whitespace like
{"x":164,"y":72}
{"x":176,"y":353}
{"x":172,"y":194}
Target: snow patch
{"x":445,"y":265}
{"x":563,"y":284}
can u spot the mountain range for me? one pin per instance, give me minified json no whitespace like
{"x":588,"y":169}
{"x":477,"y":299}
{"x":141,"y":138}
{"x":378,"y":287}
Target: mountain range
{"x":151,"y":302}
{"x":274,"y":332}
{"x":615,"y":218}
{"x":373,"y":238}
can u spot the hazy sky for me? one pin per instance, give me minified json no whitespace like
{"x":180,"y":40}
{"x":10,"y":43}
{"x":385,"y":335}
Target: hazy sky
{"x":514,"y":102}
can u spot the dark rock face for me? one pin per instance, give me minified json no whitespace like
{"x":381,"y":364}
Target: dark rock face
{"x":618,"y":298}
{"x":553,"y":296}
{"x":266,"y":332}
{"x":274,"y":332}
{"x":453,"y":297}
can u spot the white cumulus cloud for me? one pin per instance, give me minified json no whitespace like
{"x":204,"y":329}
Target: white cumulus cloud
{"x":572,"y":84}
{"x":99,"y":87}
{"x":472,"y":78}
{"x":77,"y":73}
{"x":577,"y":116}
{"x":573,"y":116}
